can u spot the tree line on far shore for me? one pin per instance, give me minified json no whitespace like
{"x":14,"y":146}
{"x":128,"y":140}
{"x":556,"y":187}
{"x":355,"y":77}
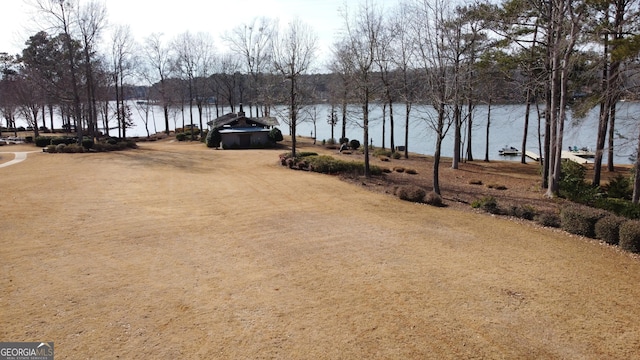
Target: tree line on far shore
{"x":554,"y":56}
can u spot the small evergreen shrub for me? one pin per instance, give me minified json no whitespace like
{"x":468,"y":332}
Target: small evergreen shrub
{"x":344,"y":140}
{"x":548,"y":219}
{"x":619,"y":207}
{"x":331,"y":141}
{"x":619,"y":187}
{"x":43,"y":141}
{"x":526,"y":212}
{"x":275,"y":135}
{"x":354,"y":144}
{"x":630,"y":236}
{"x":580,"y":220}
{"x":87,"y":143}
{"x":213,"y":139}
{"x":488,"y":204}
{"x":411,"y":193}
{"x":608,"y":229}
{"x":396,"y":155}
{"x":181,"y":136}
{"x":572,"y":185}
{"x":28,"y":139}
{"x":434,"y":199}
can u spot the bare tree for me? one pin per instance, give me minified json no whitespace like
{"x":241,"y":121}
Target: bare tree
{"x":91,"y":22}
{"x":294,"y":51}
{"x":432,"y":42}
{"x":159,"y":60}
{"x":122,"y":47}
{"x":58,"y":15}
{"x":194,"y":62}
{"x":362,"y":32}
{"x":228,"y":78}
{"x":253,"y":43}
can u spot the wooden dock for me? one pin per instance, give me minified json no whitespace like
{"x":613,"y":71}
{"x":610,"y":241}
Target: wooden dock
{"x":570,"y":156}
{"x":531,"y":155}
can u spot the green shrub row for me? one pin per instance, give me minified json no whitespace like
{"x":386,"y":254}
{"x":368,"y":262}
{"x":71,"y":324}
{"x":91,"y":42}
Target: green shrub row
{"x":89,"y":145}
{"x":325,"y":164}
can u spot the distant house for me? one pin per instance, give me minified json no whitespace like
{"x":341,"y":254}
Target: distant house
{"x":238,"y":131}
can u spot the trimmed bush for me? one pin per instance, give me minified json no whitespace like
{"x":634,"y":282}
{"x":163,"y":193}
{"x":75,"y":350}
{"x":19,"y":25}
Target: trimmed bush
{"x":43,"y":141}
{"x":354,"y":144}
{"x":213,"y":139}
{"x":344,"y":140}
{"x":411,"y":193}
{"x":548,"y":219}
{"x":580,"y":220}
{"x":275,"y":135}
{"x":630,"y":236}
{"x":523,"y":212}
{"x":181,"y":136}
{"x":488,"y":204}
{"x":396,"y":155}
{"x":433,"y":199}
{"x":87,"y":143}
{"x":608,"y":229}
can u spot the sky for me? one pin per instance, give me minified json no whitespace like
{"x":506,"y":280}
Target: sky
{"x":18,"y":19}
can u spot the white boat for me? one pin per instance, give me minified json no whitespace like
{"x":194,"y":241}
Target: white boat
{"x":509,"y":151}
{"x":582,"y":152}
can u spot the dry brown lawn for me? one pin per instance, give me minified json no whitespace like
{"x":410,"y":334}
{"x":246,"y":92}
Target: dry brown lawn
{"x":178,"y":251}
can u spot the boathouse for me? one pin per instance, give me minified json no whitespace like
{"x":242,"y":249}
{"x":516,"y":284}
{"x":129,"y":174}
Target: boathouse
{"x":237,"y":131}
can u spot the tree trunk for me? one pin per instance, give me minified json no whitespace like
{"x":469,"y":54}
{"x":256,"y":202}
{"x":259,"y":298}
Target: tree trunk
{"x":486,"y":147}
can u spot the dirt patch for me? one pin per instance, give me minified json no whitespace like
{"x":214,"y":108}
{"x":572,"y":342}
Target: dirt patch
{"x":179,"y":251}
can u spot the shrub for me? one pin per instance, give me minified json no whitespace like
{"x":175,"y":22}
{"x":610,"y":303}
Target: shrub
{"x":580,"y":220}
{"x":433,"y":199}
{"x":344,"y":140}
{"x":398,"y":169}
{"x":619,"y":187}
{"x":411,"y":193}
{"x":181,"y":136}
{"x":43,"y":141}
{"x":213,"y":139}
{"x":275,"y":135}
{"x":354,"y":144}
{"x":384,"y":158}
{"x":572,"y":185}
{"x":396,"y":155}
{"x":52,"y":149}
{"x":496,"y":186}
{"x":331,"y":141}
{"x":608,"y":229}
{"x":526,"y":212}
{"x":619,"y":207}
{"x":488,"y":204}
{"x":411,"y":171}
{"x":382,"y":152}
{"x":548,"y":219}
{"x":28,"y":139}
{"x":630,"y":236}
{"x":87,"y":143}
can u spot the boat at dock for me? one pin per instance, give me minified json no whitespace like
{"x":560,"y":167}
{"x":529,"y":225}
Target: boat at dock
{"x":509,"y":151}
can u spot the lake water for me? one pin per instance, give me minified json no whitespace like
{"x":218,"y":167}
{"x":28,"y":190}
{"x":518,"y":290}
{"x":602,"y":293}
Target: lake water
{"x":507,"y":126}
